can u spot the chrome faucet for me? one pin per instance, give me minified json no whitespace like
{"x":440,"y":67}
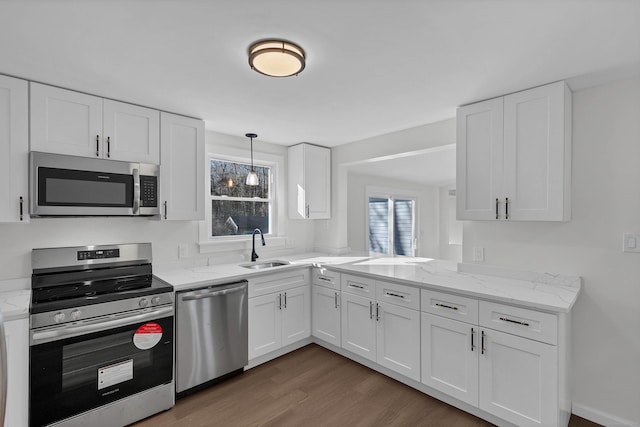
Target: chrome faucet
{"x":254,"y":255}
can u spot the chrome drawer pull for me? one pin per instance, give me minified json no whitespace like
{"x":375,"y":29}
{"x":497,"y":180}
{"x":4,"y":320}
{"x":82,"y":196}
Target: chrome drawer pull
{"x":519,"y":322}
{"x":325,"y":279}
{"x":446,"y":306}
{"x":391,"y":294}
{"x":473,"y":346}
{"x":355,"y":286}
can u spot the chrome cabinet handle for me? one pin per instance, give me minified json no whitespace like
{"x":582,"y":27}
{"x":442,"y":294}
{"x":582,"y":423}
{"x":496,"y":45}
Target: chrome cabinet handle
{"x":165,"y":209}
{"x":285,"y":300}
{"x":335,"y":299}
{"x":324,"y":279}
{"x":351,"y":285}
{"x":377,"y":312}
{"x":473,"y":332}
{"x":307,"y":211}
{"x":279,"y":301}
{"x":108,"y":146}
{"x":482,"y":349}
{"x":21,"y":208}
{"x":97,"y":145}
{"x":446,"y":306}
{"x":391,"y":294}
{"x":506,"y":208}
{"x":370,"y":310}
{"x":496,"y":208}
{"x":518,"y":322}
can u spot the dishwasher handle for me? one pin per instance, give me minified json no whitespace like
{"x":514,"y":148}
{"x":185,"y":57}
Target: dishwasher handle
{"x":215,"y":292}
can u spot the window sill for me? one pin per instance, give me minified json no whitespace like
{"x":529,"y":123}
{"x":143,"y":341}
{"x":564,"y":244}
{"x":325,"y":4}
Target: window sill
{"x":239,"y":244}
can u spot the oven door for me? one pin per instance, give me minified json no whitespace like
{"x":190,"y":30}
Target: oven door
{"x":84,"y":366}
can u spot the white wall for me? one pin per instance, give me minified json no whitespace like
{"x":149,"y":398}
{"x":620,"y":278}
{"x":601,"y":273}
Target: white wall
{"x":17,"y":240}
{"x":450,"y":228}
{"x":605,"y":203}
{"x":426,"y":226}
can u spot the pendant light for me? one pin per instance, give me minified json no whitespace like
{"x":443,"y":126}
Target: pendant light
{"x":252,"y":178}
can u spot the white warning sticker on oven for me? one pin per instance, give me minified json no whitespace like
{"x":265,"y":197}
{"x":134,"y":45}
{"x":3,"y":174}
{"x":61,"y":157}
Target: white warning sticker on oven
{"x":115,"y":374}
{"x":147,"y":336}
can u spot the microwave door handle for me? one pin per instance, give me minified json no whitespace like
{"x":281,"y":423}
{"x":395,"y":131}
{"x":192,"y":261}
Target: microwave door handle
{"x":136,"y":191}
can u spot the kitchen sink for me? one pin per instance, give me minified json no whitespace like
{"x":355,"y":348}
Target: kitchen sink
{"x":265,"y":264}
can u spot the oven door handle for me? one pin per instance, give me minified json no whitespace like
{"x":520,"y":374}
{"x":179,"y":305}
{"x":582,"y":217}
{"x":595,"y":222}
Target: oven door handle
{"x":41,"y":337}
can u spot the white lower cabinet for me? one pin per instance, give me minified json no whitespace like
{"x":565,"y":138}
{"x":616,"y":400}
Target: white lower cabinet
{"x":17,"y":336}
{"x":450,"y":357}
{"x":385,"y":333}
{"x":279,"y":311}
{"x":518,"y":379}
{"x":325,"y":313}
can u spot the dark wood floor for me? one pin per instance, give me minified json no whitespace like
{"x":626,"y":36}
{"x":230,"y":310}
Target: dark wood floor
{"x":314,"y":387}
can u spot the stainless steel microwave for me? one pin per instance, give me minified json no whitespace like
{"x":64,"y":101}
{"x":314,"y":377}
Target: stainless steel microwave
{"x":63,"y":185}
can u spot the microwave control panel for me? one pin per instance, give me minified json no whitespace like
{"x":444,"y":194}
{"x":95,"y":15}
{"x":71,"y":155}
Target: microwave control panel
{"x":148,"y":191}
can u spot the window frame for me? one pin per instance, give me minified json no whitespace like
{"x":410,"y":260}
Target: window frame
{"x":392,"y":194}
{"x":226,"y":244}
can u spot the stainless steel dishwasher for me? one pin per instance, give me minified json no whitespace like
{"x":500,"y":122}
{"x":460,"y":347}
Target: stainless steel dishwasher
{"x":211,"y":335}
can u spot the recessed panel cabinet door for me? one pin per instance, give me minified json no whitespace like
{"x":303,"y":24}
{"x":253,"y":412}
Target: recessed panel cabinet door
{"x":265,"y":332}
{"x":326,"y":314}
{"x":65,"y":122}
{"x":518,"y":379}
{"x":182,"y":173}
{"x":398,"y":339}
{"x":359,"y":325}
{"x":131,"y":133}
{"x":14,"y":150}
{"x":450,"y":357}
{"x":296,"y":319}
{"x":17,"y":336}
{"x":479,"y":159}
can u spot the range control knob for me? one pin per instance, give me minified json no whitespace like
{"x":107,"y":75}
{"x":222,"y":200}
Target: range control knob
{"x":75,"y":314}
{"x":143,"y":302}
{"x":58,"y":317}
{"x":155,"y":300}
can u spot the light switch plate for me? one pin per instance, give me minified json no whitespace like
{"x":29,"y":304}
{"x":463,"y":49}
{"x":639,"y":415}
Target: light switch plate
{"x":478,"y":254}
{"x":631,"y":242}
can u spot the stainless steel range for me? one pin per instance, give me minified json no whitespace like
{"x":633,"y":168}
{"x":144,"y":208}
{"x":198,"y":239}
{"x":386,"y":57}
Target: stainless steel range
{"x":101,"y":339}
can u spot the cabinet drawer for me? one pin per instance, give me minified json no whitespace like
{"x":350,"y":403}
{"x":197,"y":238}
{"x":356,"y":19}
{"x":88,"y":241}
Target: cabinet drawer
{"x":450,"y":306}
{"x":398,"y":294}
{"x":270,"y":283}
{"x":358,"y":285}
{"x":324,"y":277}
{"x":526,"y":323}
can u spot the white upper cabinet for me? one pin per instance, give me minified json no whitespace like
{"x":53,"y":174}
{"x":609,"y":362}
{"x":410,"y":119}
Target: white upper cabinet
{"x":182,"y":168}
{"x":309,"y":182}
{"x":14,"y":149}
{"x":131,"y":132}
{"x":514,"y":156}
{"x":68,"y":122}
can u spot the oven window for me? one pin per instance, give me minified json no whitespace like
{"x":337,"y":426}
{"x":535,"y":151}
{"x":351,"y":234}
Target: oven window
{"x":75,"y":375}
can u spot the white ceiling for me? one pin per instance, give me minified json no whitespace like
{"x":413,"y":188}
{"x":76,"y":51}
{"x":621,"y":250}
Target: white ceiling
{"x":374,"y":66}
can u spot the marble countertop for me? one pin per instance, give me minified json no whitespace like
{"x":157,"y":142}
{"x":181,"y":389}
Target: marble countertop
{"x":535,"y":290}
{"x":15,"y":304}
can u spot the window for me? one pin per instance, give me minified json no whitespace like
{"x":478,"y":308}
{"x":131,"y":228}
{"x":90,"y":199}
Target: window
{"x":391,"y":224}
{"x":237,"y":208}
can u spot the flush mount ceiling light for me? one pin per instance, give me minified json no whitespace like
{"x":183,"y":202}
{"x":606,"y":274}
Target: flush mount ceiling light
{"x":252,"y":178}
{"x":276,"y":58}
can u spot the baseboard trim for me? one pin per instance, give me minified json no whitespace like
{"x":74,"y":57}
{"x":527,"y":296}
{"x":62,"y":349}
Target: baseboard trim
{"x":600,"y":417}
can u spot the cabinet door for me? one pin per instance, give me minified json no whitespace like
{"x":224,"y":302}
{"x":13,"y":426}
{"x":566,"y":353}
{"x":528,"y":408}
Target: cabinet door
{"x":537,"y":141}
{"x":359,"y":326}
{"x":65,"y":122}
{"x":265,"y":332}
{"x":518,"y":379}
{"x":398,"y":339}
{"x":317,"y":162}
{"x":309,"y":182}
{"x":450,"y":357}
{"x":131,"y":133}
{"x":479,"y":159}
{"x":181,"y":167}
{"x":326,"y":314}
{"x":17,"y":334}
{"x":14,"y":150}
{"x":296,"y":314}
